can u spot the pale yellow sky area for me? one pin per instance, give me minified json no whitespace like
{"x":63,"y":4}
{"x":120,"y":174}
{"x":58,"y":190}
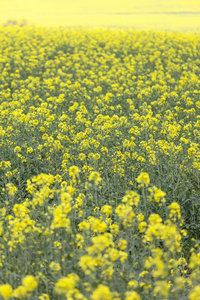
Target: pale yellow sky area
{"x":105,"y":13}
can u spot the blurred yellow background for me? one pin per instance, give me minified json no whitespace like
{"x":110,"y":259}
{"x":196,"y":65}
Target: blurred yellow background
{"x":181,"y":15}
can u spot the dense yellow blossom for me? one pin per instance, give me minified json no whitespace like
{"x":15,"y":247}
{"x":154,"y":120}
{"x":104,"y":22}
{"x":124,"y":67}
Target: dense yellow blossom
{"x":29,"y":283}
{"x":5,"y":291}
{"x":102,"y":292}
{"x":63,"y":285}
{"x":73,"y":171}
{"x":20,"y":292}
{"x":161,"y":289}
{"x":132,"y":296}
{"x":99,"y":164}
{"x":143,"y":179}
{"x":96,"y":177}
{"x":11,"y":189}
{"x":195,"y":294}
{"x":55,"y":267}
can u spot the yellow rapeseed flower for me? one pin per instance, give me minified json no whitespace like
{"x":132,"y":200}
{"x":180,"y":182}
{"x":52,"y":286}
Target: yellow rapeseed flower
{"x":12,"y":189}
{"x":55,"y":267}
{"x":17,"y":149}
{"x":143,"y":179}
{"x":74,"y":171}
{"x":65,"y":284}
{"x":87,"y":264}
{"x":20,"y":292}
{"x":29,"y":283}
{"x":102,"y":292}
{"x":6,"y":291}
{"x":132,"y":296}
{"x":195,"y":293}
{"x":44,"y":297}
{"x":96,"y":177}
{"x":161,"y":289}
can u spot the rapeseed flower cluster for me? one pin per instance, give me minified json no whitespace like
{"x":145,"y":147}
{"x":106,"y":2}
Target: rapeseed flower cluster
{"x":99,"y":164}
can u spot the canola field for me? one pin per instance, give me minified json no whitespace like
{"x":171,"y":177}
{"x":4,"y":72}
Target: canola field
{"x":100,"y":164}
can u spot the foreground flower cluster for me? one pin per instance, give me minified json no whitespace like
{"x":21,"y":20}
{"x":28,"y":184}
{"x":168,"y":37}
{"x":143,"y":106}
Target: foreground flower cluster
{"x":77,"y":252}
{"x":85,"y":117}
